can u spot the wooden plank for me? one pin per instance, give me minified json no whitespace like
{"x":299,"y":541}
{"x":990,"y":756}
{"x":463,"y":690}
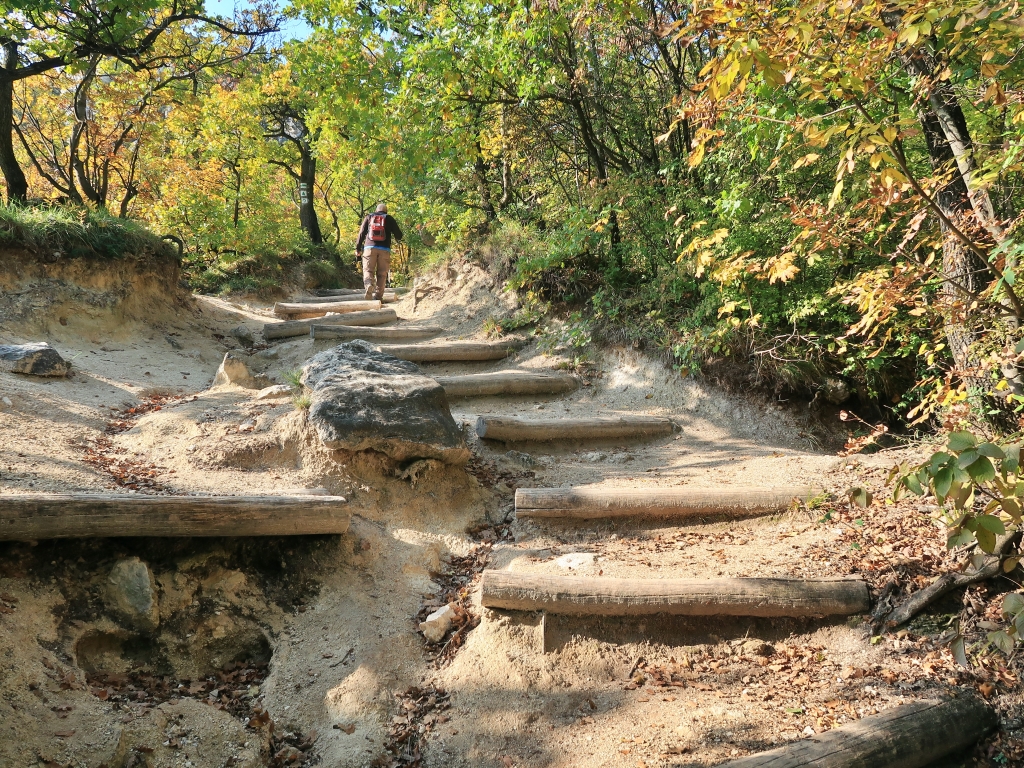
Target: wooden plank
{"x":450,"y":351}
{"x":657,"y":502}
{"x":28,"y":517}
{"x":507,"y":383}
{"x":510,"y":429}
{"x":388,"y":299}
{"x":290,"y":328}
{"x":286,"y":309}
{"x":911,"y":735}
{"x":583,"y":596}
{"x":399,"y":333}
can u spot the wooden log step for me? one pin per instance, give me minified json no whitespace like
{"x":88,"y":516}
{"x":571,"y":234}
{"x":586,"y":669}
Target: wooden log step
{"x":582,"y":596}
{"x":63,"y":516}
{"x":510,"y":429}
{"x":399,"y":333}
{"x":507,"y":383}
{"x":291,"y":328}
{"x":450,"y":351}
{"x":355,"y":291}
{"x":388,"y":298}
{"x":657,"y":502}
{"x":286,"y":309}
{"x":911,"y":735}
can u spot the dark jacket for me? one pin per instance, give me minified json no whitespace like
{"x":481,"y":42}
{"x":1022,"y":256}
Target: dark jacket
{"x":391,"y":228}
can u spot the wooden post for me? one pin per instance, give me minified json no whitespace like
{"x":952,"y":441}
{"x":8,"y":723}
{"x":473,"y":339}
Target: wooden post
{"x":400,"y":333}
{"x":510,"y":429}
{"x":657,"y":502}
{"x":291,"y":328}
{"x":62,"y":516}
{"x":507,"y":383}
{"x":911,"y":735}
{"x":446,"y":351}
{"x":352,"y":291}
{"x":583,"y":596}
{"x":284,"y":309}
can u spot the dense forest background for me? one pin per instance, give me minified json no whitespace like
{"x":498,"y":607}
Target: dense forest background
{"x":820,"y":198}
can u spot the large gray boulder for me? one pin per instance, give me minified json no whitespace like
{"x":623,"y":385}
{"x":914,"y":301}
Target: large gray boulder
{"x":362,"y":399}
{"x":39,"y":359}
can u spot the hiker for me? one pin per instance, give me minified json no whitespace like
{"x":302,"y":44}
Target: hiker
{"x":375,"y":243}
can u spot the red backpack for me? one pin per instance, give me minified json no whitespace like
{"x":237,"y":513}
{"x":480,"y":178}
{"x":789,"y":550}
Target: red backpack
{"x":378,"y":227}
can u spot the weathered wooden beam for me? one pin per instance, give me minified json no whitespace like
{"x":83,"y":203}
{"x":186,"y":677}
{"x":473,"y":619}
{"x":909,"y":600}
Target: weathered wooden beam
{"x":583,"y":596}
{"x":399,"y":333}
{"x":507,"y":383}
{"x":450,"y":351}
{"x":510,"y":429}
{"x":388,"y":298}
{"x":286,"y":309}
{"x":657,"y":502}
{"x":911,"y":735}
{"x":291,"y":328}
{"x":354,"y":291}
{"x":62,"y":516}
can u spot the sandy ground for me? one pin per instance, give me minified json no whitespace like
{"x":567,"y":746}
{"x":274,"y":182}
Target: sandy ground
{"x":336,"y":616}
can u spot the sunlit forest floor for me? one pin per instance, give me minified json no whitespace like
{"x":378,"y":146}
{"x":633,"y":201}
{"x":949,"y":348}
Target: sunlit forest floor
{"x":304,"y":651}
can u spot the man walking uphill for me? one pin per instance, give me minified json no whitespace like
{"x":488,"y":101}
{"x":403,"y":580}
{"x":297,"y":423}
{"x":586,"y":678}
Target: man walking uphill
{"x":375,"y":243}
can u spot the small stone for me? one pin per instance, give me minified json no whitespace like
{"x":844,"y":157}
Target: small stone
{"x":39,"y":359}
{"x":7,"y":401}
{"x":131,"y":593}
{"x":278,"y":390}
{"x":576,"y":560}
{"x":244,"y":335}
{"x":437,"y":624}
{"x":757,"y":648}
{"x":232,"y":371}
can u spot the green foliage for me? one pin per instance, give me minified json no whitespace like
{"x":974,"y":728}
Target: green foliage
{"x":73,"y":232}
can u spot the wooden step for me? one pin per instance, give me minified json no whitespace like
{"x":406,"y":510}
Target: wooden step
{"x":296,"y":311}
{"x":912,"y":735}
{"x":354,"y":291}
{"x":399,"y":333}
{"x":450,"y":351}
{"x":388,"y":299}
{"x":603,"y":596}
{"x":28,"y":517}
{"x":290,"y":328}
{"x":510,"y":429}
{"x":657,"y":502}
{"x":507,"y":383}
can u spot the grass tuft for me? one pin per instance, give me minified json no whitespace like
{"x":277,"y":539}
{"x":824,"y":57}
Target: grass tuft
{"x":63,"y":231}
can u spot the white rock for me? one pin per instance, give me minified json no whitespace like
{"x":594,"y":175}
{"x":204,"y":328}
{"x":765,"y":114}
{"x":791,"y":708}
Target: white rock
{"x":576,"y":560}
{"x":437,"y":624}
{"x":278,"y":390}
{"x":7,"y":401}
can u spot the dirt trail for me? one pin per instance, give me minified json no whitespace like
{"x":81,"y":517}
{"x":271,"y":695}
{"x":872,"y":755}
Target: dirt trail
{"x":347,"y":680}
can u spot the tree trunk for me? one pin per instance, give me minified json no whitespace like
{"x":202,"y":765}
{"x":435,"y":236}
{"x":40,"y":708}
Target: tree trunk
{"x":511,"y":429}
{"x":17,"y":185}
{"x":307,"y":213}
{"x":291,"y":328}
{"x":507,"y":384}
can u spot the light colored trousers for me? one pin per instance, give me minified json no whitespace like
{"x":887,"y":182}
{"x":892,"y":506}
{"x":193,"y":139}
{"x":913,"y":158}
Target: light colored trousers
{"x":376,"y":262}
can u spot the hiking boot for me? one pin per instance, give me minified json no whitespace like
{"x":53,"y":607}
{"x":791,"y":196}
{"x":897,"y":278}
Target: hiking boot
{"x":368,"y":294}
{"x":378,"y":296}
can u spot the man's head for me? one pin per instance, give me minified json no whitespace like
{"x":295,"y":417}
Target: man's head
{"x":382,"y":207}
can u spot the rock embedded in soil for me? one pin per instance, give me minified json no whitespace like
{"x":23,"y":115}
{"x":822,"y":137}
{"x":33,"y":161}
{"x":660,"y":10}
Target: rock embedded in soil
{"x":243,"y":335}
{"x":39,"y":359}
{"x":363,"y":399}
{"x":131,"y":594}
{"x":277,"y":390}
{"x":437,"y":624}
{"x":233,"y":371}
